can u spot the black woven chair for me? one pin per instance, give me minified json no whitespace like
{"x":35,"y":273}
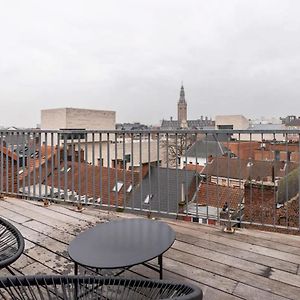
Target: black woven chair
{"x":11,"y":244}
{"x":89,"y":287}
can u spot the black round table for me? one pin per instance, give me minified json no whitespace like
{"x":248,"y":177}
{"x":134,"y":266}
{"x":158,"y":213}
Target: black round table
{"x":122,"y":244}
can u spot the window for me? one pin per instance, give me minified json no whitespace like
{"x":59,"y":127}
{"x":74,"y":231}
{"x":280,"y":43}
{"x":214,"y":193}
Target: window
{"x":63,"y":169}
{"x":148,"y":198}
{"x":117,"y":187}
{"x":277,"y":154}
{"x":127,"y":158}
{"x":129,"y":189}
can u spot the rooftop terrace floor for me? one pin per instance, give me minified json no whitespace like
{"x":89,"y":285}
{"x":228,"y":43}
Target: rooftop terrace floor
{"x":248,"y":264}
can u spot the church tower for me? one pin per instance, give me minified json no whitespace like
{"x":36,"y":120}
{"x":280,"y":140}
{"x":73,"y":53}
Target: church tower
{"x":182,"y":109}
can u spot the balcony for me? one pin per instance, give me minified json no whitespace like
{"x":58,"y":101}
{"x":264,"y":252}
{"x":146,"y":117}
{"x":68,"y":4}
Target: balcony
{"x":249,"y":264}
{"x":199,"y":182}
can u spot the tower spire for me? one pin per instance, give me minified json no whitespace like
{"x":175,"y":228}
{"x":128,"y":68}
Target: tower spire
{"x":182,"y":107}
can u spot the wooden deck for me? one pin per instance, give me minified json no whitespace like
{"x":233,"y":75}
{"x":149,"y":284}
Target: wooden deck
{"x":248,"y":264}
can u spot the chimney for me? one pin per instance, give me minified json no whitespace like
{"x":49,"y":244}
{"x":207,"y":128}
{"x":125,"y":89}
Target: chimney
{"x":171,"y":118}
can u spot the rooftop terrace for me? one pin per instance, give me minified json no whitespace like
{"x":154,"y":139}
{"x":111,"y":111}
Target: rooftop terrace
{"x":248,"y":264}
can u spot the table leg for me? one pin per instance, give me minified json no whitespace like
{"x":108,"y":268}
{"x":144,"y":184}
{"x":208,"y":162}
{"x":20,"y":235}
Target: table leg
{"x":160,"y":262}
{"x":75,"y":268}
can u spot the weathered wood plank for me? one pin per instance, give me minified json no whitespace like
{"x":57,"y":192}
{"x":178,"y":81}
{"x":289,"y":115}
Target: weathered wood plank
{"x":227,"y":240}
{"x":222,"y":258}
{"x":235,"y":252}
{"x":238,"y":275}
{"x":199,"y":275}
{"x":252,"y":293}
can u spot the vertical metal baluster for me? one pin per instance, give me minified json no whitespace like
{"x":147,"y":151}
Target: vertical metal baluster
{"x":65,"y":167}
{"x":23,"y":162}
{"x":262,"y":183}
{"x":149,"y":170}
{"x":18,"y":163}
{"x":299,"y":182}
{"x":141,"y":171}
{"x":185,"y":174}
{"x":108,"y":171}
{"x":158,"y":171}
{"x":116,"y":172}
{"x":34,"y":163}
{"x":1,"y":162}
{"x":72,"y":166}
{"x":217,"y":186}
{"x":251,"y":191}
{"x":28,"y":165}
{"x":100,"y":168}
{"x":40,"y":166}
{"x":132,"y":172}
{"x":286,"y":169}
{"x":52,"y":164}
{"x":58,"y":164}
{"x":124,"y":172}
{"x":197,"y":178}
{"x":46,"y":165}
{"x":168,"y":175}
{"x":86,"y":166}
{"x":228,"y":183}
{"x":12,"y":162}
{"x":206,"y":163}
{"x":176,"y":166}
{"x":79,"y":167}
{"x":93,"y":168}
{"x":7,"y":184}
{"x":273,"y":178}
{"x":240,"y":179}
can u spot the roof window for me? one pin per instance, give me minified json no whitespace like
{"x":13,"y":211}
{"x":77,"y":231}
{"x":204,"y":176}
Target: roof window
{"x":117,"y":187}
{"x":148,"y":198}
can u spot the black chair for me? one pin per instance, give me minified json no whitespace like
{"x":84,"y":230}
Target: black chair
{"x":89,"y":287}
{"x":11,"y":244}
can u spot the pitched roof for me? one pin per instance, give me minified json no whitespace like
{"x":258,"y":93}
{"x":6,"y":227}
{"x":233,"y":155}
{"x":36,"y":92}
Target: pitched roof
{"x":165,"y":187}
{"x":193,"y":124}
{"x":204,"y":148}
{"x":215,"y":195}
{"x":245,"y":169}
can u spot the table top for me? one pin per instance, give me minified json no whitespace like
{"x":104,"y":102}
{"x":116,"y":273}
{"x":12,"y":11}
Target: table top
{"x":121,"y":243}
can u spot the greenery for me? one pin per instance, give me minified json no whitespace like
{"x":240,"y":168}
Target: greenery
{"x":288,"y":186}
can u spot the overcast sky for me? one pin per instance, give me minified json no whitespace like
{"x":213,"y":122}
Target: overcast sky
{"x":234,"y":57}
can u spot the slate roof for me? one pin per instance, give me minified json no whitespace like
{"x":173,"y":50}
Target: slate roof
{"x":295,"y":122}
{"x":243,"y":169}
{"x":161,"y":183}
{"x":192,"y":124}
{"x":215,"y":195}
{"x":203,"y":149}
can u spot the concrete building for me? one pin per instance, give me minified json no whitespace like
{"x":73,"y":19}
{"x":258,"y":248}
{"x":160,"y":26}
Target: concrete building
{"x":236,"y":122}
{"x":77,"y":118}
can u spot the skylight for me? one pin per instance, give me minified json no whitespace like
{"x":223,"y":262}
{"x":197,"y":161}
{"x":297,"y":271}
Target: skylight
{"x":63,"y":169}
{"x":129,"y":189}
{"x":118,"y":186}
{"x":148,"y":198}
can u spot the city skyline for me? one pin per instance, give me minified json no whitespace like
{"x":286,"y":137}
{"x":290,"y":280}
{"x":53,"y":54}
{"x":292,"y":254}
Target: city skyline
{"x":233,"y":58}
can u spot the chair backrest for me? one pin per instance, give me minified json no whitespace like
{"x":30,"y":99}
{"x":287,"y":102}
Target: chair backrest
{"x":89,"y":287}
{"x":11,"y":243}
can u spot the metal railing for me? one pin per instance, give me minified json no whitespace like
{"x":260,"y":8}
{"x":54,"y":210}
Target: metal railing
{"x":232,"y":176}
